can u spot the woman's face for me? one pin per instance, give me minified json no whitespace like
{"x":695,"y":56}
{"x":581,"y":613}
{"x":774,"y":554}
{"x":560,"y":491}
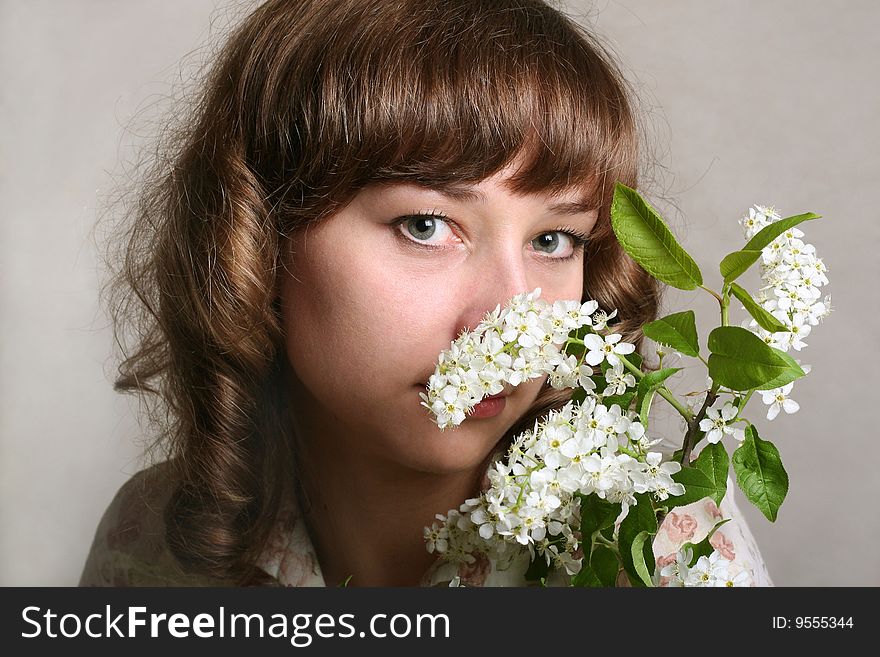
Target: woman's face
{"x":374,"y":294}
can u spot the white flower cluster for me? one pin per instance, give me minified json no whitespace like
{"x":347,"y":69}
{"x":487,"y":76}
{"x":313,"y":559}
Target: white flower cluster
{"x":791,"y":275}
{"x":712,"y":571}
{"x":532,"y":500}
{"x":521,"y":342}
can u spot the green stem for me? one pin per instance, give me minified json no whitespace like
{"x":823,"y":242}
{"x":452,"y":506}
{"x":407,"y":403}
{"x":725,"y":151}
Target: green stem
{"x":611,"y":545}
{"x":725,"y":306}
{"x":694,"y":434}
{"x":745,"y":401}
{"x":663,"y":391}
{"x":712,"y":292}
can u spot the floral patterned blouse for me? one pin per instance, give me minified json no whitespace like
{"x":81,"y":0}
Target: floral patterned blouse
{"x":129,"y":548}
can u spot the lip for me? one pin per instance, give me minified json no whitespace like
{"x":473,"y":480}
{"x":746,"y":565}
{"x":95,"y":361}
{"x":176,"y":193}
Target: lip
{"x":489,"y":407}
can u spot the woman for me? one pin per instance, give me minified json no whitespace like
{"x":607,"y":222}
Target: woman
{"x":360,"y":181}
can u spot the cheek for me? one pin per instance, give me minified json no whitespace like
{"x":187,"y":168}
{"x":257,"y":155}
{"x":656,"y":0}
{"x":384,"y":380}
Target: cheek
{"x":360,"y":325}
{"x":568,"y":285}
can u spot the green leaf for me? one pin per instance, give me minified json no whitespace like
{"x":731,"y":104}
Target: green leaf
{"x":647,"y":239}
{"x":697,"y":485}
{"x":769,"y":233}
{"x":586,"y":577}
{"x":599,"y":571}
{"x":596,"y":514}
{"x":579,"y":395}
{"x":765,"y":319}
{"x":737,"y":263}
{"x":538,"y":568}
{"x":638,"y":557}
{"x":759,"y":473}
{"x":646,"y":388}
{"x":623,"y":400}
{"x":641,"y":518}
{"x":605,"y":564}
{"x":635,"y":359}
{"x":740,"y":360}
{"x":678,"y":331}
{"x":714,"y":463}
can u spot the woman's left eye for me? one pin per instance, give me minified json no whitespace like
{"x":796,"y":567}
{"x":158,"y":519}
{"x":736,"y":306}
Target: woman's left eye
{"x":567,"y":243}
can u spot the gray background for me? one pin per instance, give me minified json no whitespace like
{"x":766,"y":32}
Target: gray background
{"x":747,"y":102}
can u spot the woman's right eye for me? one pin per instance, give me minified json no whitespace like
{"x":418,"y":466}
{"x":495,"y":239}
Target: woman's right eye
{"x":421,"y":228}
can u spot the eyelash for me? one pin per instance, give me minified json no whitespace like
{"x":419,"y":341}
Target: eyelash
{"x":578,"y":238}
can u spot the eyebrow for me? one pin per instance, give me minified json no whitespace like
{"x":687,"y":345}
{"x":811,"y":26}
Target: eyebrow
{"x":463,"y":194}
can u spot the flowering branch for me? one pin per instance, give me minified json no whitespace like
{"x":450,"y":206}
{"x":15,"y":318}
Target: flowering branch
{"x":581,"y":491}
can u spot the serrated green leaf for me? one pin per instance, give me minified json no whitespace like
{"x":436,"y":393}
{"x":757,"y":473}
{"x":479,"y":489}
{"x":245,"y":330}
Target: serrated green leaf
{"x":765,"y":320}
{"x":647,"y":239}
{"x":759,"y":473}
{"x":737,"y":263}
{"x":770,"y":232}
{"x":635,"y":359}
{"x":596,"y":513}
{"x":740,"y":360}
{"x":623,"y":400}
{"x":646,"y":388}
{"x":678,"y":331}
{"x":599,"y":381}
{"x":538,"y":568}
{"x":605,"y":564}
{"x":697,"y":485}
{"x":641,"y":517}
{"x":600,"y":570}
{"x":638,"y":557}
{"x":586,"y":577}
{"x":714,"y":463}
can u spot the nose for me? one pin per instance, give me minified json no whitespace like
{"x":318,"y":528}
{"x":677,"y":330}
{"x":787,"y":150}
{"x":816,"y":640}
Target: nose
{"x":495,"y":279}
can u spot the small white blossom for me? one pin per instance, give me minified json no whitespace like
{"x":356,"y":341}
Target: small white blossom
{"x":778,"y":400}
{"x":618,"y":380}
{"x":717,"y":425}
{"x":436,"y":536}
{"x":610,"y":348}
{"x":601,"y":319}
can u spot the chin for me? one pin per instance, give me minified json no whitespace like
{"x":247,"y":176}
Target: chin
{"x":454,"y":450}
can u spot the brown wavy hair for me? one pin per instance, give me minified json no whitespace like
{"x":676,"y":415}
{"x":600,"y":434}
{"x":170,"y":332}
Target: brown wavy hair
{"x":307,"y":103}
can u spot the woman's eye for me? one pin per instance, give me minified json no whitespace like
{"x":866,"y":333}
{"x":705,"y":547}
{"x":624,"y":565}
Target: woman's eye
{"x":423,"y":228}
{"x":556,"y":243}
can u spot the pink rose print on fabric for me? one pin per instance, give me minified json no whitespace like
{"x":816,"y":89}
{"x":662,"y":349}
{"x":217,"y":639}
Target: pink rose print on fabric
{"x":712,"y":509}
{"x":476,"y":573}
{"x":664,"y":561}
{"x":723,"y":545}
{"x":680,"y":527}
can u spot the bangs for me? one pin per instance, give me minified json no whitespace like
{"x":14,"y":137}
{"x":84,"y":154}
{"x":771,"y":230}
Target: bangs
{"x":439,"y":93}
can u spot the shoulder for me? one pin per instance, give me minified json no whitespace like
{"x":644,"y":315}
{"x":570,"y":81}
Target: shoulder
{"x":129,"y":547}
